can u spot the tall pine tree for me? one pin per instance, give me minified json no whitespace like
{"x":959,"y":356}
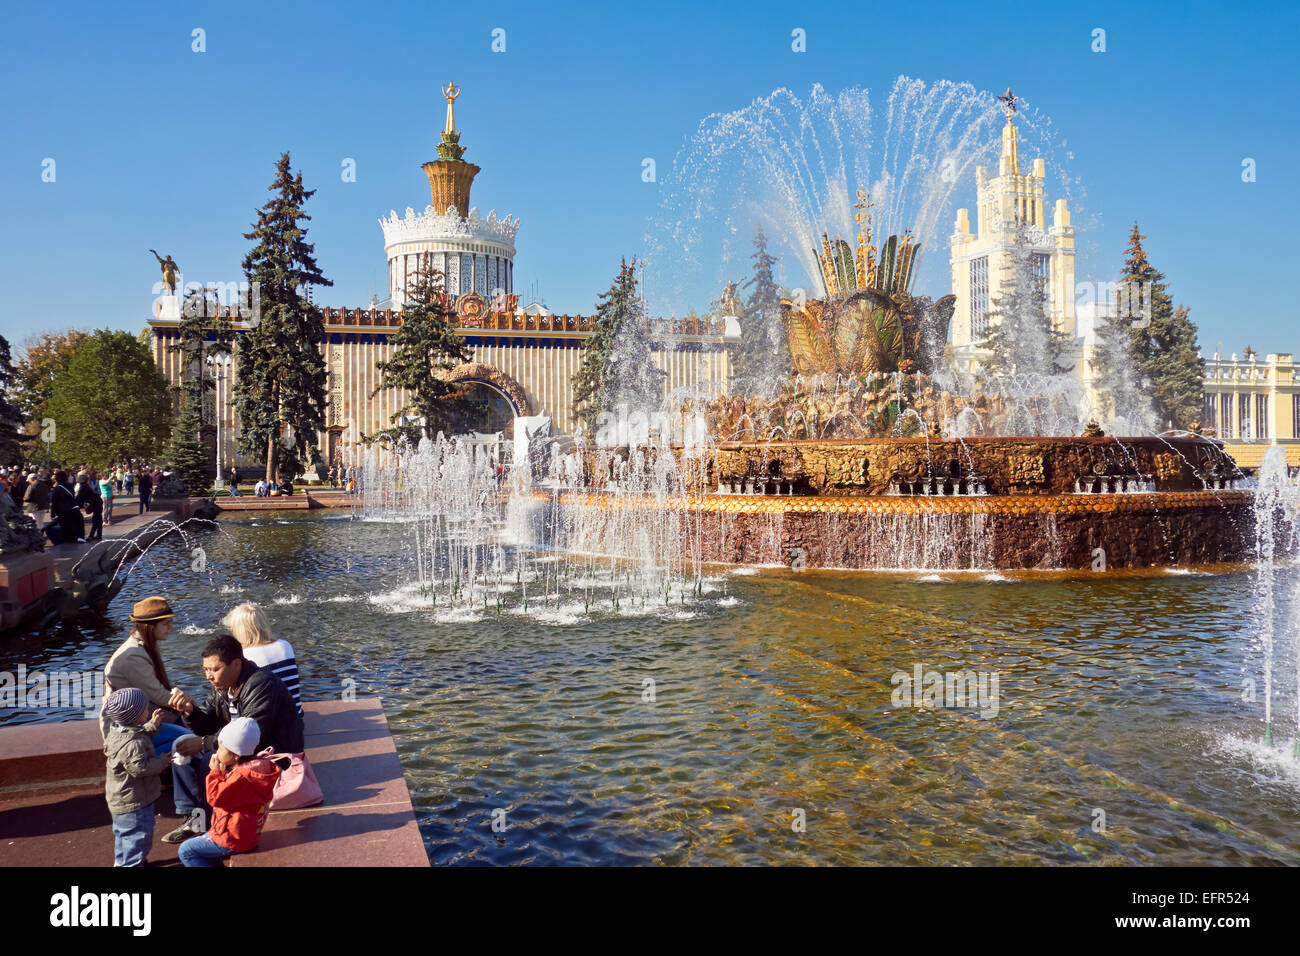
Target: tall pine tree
{"x":1021,"y":339}
{"x":186,"y":454}
{"x":763,"y":358}
{"x":617,"y":361}
{"x":11,"y":419}
{"x":1150,"y":345}
{"x":280,"y":390}
{"x":426,"y":347}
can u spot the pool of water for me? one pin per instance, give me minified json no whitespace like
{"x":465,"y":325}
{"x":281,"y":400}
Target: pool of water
{"x":764,"y":722}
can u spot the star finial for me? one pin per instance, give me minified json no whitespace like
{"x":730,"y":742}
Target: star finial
{"x":1008,"y":100}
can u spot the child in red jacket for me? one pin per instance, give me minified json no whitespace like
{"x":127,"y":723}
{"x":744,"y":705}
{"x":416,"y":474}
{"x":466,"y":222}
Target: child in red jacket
{"x":240,"y":787}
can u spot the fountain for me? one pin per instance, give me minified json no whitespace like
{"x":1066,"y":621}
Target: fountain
{"x":872,"y":454}
{"x":1277,"y":533}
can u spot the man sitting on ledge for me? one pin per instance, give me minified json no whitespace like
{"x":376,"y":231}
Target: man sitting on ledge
{"x":239,"y":689}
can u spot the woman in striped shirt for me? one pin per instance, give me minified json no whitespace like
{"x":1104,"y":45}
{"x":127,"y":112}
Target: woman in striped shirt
{"x":249,"y":625}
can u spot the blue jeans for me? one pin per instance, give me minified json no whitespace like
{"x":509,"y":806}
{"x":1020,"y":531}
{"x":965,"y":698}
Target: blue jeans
{"x":189,"y":782}
{"x":202,"y":851}
{"x":132,"y":836}
{"x":166,"y":736}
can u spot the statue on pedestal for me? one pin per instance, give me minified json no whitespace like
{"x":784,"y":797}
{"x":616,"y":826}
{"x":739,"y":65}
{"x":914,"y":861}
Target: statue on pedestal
{"x":451,"y":91}
{"x":169,"y":270}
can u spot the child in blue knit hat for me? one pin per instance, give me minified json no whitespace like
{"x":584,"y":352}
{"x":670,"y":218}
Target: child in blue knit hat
{"x":133,"y":781}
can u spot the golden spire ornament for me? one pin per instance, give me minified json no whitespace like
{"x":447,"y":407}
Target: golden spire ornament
{"x":451,"y":91}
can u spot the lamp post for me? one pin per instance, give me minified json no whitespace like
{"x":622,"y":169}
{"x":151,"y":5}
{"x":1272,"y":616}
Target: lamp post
{"x":220,"y":366}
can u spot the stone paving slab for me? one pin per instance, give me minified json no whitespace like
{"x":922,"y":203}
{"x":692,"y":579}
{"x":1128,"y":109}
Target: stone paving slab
{"x":52,"y":810}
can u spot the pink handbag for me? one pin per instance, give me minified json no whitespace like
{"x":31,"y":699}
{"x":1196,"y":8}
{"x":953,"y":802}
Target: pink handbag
{"x":297,"y":786}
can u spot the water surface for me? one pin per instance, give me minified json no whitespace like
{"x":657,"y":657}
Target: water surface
{"x":1121,"y":734}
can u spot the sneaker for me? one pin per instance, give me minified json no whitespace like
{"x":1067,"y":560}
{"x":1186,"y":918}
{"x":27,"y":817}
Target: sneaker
{"x":181,"y":834}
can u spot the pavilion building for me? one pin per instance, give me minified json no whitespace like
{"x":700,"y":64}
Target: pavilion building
{"x":523,"y":360}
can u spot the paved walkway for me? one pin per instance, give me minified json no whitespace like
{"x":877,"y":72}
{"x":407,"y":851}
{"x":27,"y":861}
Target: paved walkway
{"x":52,"y":810}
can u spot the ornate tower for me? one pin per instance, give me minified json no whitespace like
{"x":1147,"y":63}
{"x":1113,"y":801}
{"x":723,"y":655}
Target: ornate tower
{"x":450,"y":177}
{"x":473,"y":254}
{"x":1008,"y":204}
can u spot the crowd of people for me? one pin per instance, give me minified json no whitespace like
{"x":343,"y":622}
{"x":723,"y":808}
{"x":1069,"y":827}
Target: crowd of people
{"x":74,"y":504}
{"x":226,"y":752}
{"x":61,"y":501}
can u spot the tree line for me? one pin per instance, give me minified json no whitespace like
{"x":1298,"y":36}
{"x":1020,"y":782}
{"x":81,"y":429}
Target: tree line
{"x":98,"y":397}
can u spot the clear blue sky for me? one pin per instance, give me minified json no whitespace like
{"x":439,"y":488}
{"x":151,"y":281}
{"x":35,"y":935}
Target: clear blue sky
{"x":158,"y":146}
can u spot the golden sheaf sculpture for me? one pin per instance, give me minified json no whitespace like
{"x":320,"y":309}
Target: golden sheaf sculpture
{"x":868,"y":320}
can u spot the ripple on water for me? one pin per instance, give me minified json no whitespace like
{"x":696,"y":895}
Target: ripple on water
{"x":774,"y":695}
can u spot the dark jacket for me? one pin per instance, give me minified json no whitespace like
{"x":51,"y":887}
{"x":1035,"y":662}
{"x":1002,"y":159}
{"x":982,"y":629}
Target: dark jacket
{"x":64,"y":510}
{"x":261,"y":696}
{"x":89,"y":497}
{"x":146,"y":483}
{"x":38,"y":495}
{"x":133,"y":780}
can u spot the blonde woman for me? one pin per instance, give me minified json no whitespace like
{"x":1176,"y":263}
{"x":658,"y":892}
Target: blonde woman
{"x":248,"y":623}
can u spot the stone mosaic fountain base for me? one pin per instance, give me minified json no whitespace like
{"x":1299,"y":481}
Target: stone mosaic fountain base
{"x":1053,"y":531}
{"x":943,"y":504}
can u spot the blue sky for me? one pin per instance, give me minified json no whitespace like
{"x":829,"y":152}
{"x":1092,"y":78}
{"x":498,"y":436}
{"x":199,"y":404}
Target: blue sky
{"x":158,"y":146}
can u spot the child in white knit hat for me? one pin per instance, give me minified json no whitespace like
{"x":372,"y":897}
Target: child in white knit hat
{"x":240,"y":787}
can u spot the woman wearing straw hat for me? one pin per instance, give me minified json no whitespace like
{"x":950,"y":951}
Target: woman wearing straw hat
{"x":138,"y":663}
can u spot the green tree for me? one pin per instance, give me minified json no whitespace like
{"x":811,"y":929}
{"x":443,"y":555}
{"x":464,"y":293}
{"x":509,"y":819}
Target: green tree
{"x":1150,"y":348}
{"x":201,"y":314}
{"x":42,"y":358}
{"x":279,"y":394}
{"x":110,"y":403}
{"x":426,"y":347}
{"x":763,"y":358}
{"x":1021,"y":338}
{"x":11,"y":419}
{"x":617,"y":361}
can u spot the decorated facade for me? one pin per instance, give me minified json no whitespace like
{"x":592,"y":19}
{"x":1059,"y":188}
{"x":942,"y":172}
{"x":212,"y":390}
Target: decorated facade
{"x":523,"y":360}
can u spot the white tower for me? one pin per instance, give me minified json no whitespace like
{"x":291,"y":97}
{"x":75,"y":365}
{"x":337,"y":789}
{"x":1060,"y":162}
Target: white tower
{"x":983,"y":260}
{"x":472,"y":253}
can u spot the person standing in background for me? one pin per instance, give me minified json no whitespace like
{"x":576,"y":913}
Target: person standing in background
{"x":106,"y":494}
{"x":37,"y":500}
{"x":146,"y":489}
{"x":88,"y":499}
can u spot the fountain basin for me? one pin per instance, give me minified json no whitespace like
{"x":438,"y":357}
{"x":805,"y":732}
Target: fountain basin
{"x":1060,"y":531}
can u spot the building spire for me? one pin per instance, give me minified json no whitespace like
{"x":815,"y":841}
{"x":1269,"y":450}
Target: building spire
{"x":1010,"y":160}
{"x":451,"y":91}
{"x":450,"y":177}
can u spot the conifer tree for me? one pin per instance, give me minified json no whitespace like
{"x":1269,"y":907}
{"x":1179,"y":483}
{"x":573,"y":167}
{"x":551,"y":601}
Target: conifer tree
{"x":617,"y":362}
{"x":1021,"y":338}
{"x":186,"y":454}
{"x":280,"y":392}
{"x":426,"y":347}
{"x":763,"y":359}
{"x":1150,"y":344}
{"x":11,"y":419}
